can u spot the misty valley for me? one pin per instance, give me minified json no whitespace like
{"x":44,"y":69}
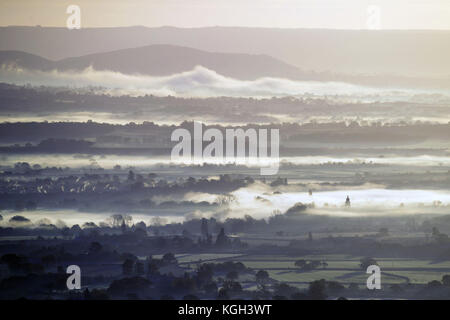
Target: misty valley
{"x":203,"y":164}
{"x":139,"y":225}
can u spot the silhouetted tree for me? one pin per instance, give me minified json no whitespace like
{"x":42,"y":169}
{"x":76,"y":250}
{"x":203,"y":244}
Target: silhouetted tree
{"x":95,"y":248}
{"x":261,"y":278}
{"x":205,"y":273}
{"x":232,"y":275}
{"x":347,"y":202}
{"x":366,"y":262}
{"x":169,"y":258}
{"x":317,"y":289}
{"x":446,"y":280}
{"x":128,"y":267}
{"x":139,"y":268}
{"x":204,"y":228}
{"x":222,"y":240}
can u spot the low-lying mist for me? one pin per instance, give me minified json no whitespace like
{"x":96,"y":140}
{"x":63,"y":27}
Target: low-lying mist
{"x":200,"y":82}
{"x":261,"y":201}
{"x":150,"y":162}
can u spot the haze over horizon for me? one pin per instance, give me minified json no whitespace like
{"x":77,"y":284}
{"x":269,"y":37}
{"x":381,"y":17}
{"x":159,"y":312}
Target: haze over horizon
{"x":328,"y":14}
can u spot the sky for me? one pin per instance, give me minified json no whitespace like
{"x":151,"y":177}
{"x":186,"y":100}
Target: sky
{"x":331,"y":14}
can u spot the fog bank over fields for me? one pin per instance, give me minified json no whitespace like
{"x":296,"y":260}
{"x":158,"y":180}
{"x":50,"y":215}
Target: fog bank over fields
{"x":260,"y":202}
{"x":201,"y":83}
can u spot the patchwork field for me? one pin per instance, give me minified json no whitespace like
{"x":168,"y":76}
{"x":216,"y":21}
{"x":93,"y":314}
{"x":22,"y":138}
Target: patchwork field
{"x":342,"y":268}
{"x":346,"y":269}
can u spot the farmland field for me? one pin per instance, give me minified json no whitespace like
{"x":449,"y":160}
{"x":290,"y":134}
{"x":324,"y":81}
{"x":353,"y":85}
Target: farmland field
{"x":345,"y":269}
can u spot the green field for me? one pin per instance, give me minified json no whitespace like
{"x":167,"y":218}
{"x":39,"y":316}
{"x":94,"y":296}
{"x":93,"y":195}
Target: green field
{"x":187,"y":258}
{"x":346,"y":269}
{"x":342,"y":268}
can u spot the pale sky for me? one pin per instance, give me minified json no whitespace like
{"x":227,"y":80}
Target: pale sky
{"x":334,"y":14}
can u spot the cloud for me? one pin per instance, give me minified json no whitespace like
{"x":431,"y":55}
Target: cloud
{"x":199,"y":82}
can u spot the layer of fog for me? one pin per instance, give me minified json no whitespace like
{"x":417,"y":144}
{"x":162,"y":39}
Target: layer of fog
{"x":162,"y":118}
{"x":68,"y":217}
{"x":149,"y":162}
{"x":200,"y":82}
{"x":260,"y":201}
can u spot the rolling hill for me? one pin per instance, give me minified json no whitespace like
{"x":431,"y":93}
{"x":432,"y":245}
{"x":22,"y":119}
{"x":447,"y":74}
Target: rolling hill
{"x":162,"y":60}
{"x":407,"y":53}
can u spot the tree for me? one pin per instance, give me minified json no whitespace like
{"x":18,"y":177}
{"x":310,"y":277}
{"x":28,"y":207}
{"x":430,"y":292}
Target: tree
{"x":366,"y":262}
{"x":205,"y":273}
{"x":285,"y":290}
{"x":140,"y":233}
{"x":434,"y":284}
{"x":86,"y":294}
{"x":315,"y":264}
{"x":128,"y":267}
{"x":438,"y":236}
{"x":153,"y":268}
{"x":261,"y":278}
{"x":131,"y":175}
{"x":232,"y":287}
{"x":300,"y":263}
{"x":139,"y":268}
{"x":446,"y":280}
{"x":316,"y":290}
{"x":334,"y":285}
{"x":232,"y":275}
{"x":126,"y":286}
{"x":347,"y":201}
{"x":116,"y":220}
{"x":204,"y":228}
{"x":169,"y":258}
{"x":222,"y":240}
{"x":95,"y":248}
{"x":128,"y":220}
{"x":13,"y":261}
{"x":19,"y":219}
{"x":141,"y":225}
{"x":223,"y":294}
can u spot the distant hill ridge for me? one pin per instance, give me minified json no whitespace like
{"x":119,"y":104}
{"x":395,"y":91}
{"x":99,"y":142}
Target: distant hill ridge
{"x":162,"y":60}
{"x":406,"y":53}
